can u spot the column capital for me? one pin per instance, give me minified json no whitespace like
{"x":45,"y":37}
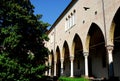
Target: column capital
{"x":71,"y":57}
{"x":109,"y":47}
{"x":50,"y":64}
{"x":55,"y":61}
{"x":110,"y":60}
{"x":85,"y":53}
{"x":61,"y":59}
{"x":46,"y":62}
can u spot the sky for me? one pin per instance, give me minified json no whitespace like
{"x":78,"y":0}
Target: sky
{"x":50,"y":9}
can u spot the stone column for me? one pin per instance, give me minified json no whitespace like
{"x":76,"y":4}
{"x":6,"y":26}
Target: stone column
{"x":110,"y":61}
{"x":62,"y":60}
{"x":49,"y":68}
{"x":46,"y":72}
{"x":86,"y":54}
{"x":55,"y":68}
{"x":50,"y":63}
{"x":71,"y":60}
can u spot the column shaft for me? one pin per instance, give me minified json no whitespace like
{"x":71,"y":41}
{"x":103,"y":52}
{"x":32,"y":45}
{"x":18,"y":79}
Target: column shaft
{"x":110,"y":61}
{"x":62,"y":60}
{"x":49,"y":69}
{"x":46,"y":72}
{"x":55,"y":68}
{"x":86,"y":63}
{"x":50,"y":63}
{"x":71,"y":60}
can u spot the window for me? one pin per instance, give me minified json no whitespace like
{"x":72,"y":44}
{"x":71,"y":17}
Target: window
{"x":73,"y":18}
{"x":70,"y":21}
{"x":66,"y":24}
{"x":52,"y":37}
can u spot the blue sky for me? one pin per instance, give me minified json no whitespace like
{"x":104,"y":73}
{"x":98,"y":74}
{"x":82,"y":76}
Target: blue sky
{"x":50,"y":9}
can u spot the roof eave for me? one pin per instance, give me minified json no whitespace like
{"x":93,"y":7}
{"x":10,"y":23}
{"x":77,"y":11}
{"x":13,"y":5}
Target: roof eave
{"x":62,"y":15}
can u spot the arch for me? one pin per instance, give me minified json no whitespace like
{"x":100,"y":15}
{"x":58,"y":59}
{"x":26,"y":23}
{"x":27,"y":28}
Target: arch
{"x":66,"y":56}
{"x":57,"y":52}
{"x":86,"y":49}
{"x":78,"y":46}
{"x":58,"y":69}
{"x":115,"y":37}
{"x":77,"y":51}
{"x":116,"y":31}
{"x":49,"y":56}
{"x":95,"y":42}
{"x":51,"y":52}
{"x":91,"y":31}
{"x":112,"y":27}
{"x":111,"y":34}
{"x":52,"y":64}
{"x":65,"y":45}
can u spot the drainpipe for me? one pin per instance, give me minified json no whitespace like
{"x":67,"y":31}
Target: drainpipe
{"x":104,"y":22}
{"x":54,"y":51}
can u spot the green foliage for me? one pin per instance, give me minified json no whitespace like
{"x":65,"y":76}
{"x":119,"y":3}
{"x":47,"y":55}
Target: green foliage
{"x":16,"y":72}
{"x":22,"y":36}
{"x":72,"y":79}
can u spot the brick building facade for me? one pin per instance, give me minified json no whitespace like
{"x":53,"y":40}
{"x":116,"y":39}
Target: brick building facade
{"x":85,"y":40}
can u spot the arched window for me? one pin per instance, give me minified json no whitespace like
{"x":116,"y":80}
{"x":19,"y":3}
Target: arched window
{"x":70,"y":20}
{"x":66,"y":24}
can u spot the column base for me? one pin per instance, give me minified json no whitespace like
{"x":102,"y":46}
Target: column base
{"x":62,"y":74}
{"x":71,"y":76}
{"x":113,"y":79}
{"x":55,"y":78}
{"x":87,"y":77}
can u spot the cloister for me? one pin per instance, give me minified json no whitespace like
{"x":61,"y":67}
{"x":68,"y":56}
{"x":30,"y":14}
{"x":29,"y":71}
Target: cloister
{"x":85,"y":40}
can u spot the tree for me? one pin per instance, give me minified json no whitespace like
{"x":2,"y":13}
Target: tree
{"x":22,"y":36}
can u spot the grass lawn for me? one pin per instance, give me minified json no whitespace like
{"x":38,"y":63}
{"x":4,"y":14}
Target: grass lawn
{"x":72,"y":79}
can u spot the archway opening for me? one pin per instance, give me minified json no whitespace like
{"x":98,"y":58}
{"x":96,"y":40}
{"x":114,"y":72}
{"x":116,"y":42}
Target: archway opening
{"x":78,"y":57}
{"x":97,"y":61}
{"x":116,"y":51}
{"x":52,"y":64}
{"x":66,"y":64}
{"x":58,"y":65}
